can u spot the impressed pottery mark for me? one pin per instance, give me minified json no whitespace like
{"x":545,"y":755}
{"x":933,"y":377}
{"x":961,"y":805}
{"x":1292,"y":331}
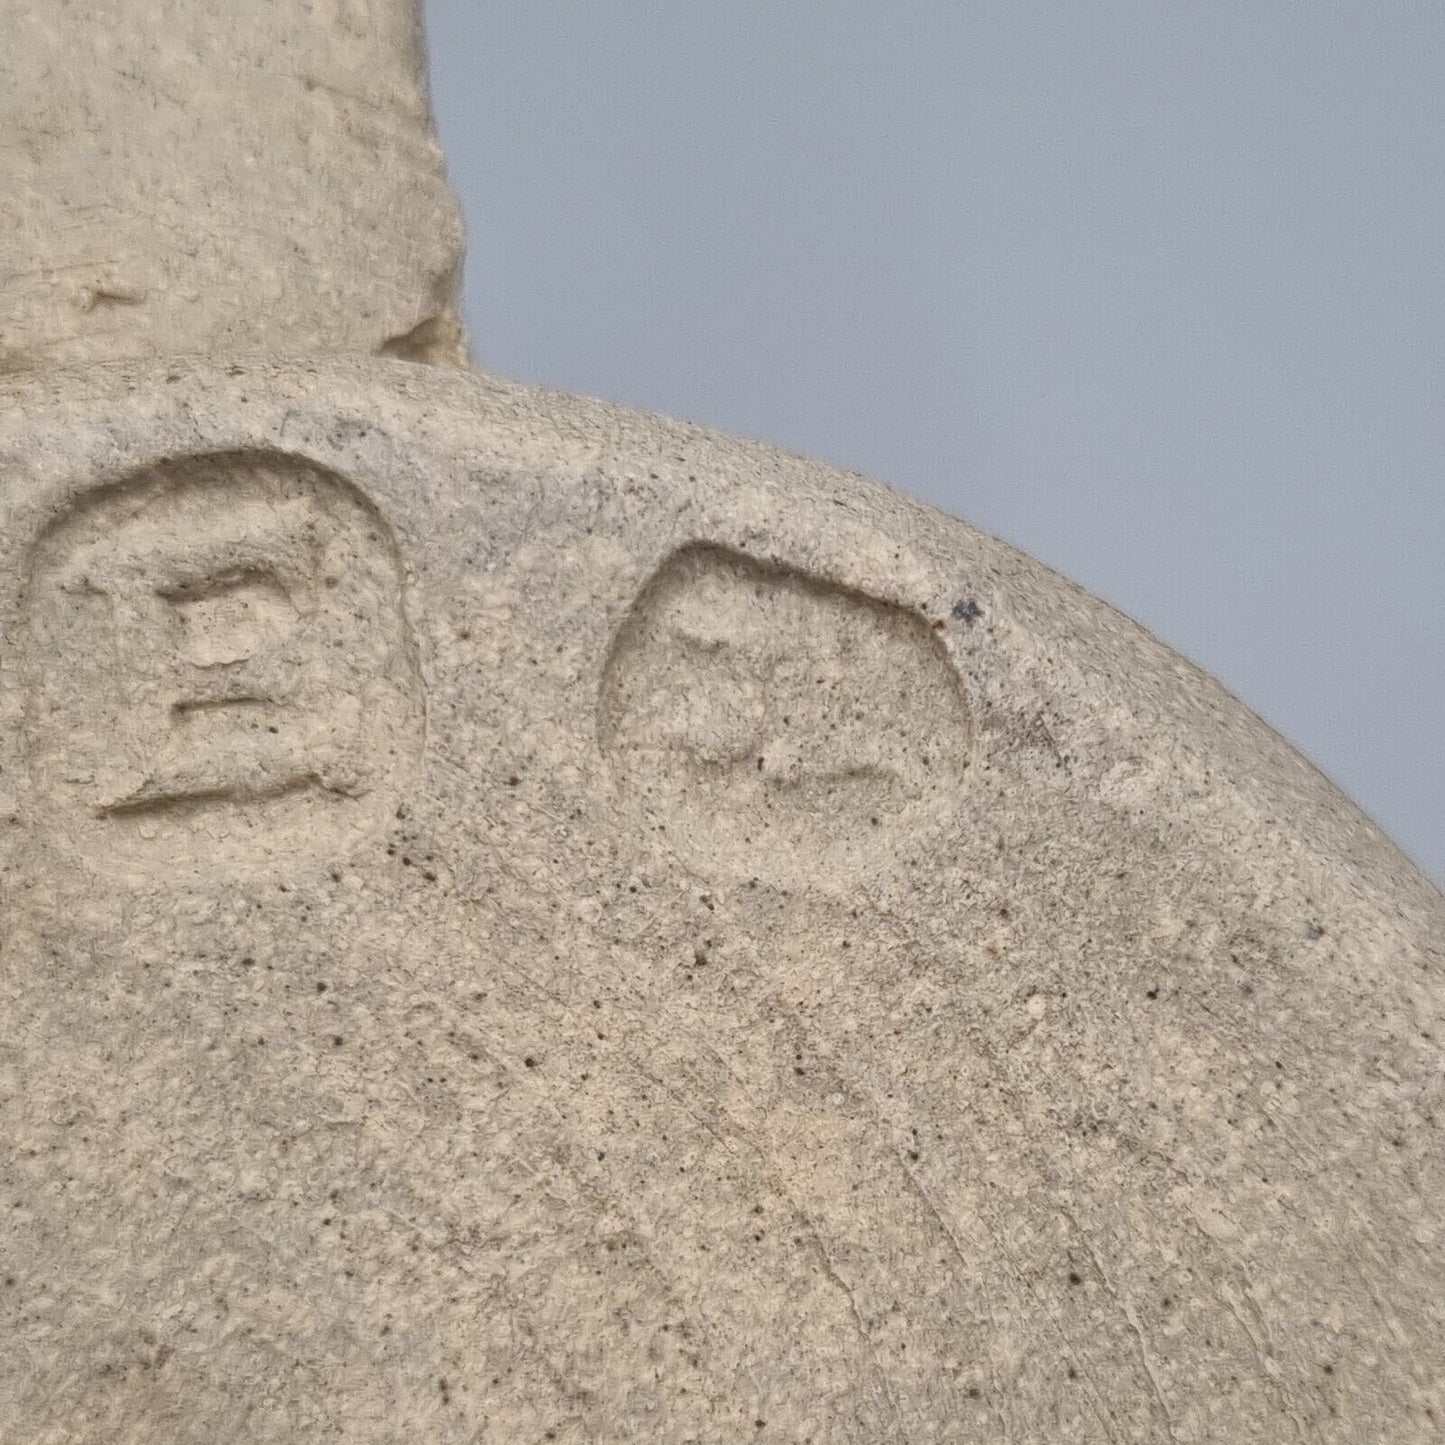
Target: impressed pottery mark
{"x":220,"y":669}
{"x":774,"y":724}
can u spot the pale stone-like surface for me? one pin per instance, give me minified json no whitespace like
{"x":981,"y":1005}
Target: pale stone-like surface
{"x":221,"y":176}
{"x":524,"y":922}
{"x":521,"y":921}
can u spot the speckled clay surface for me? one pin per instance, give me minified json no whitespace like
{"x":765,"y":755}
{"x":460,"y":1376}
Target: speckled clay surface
{"x":521,"y":921}
{"x":222,"y":176}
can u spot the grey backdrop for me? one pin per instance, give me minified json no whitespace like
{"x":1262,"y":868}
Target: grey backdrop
{"x":1153,"y":290}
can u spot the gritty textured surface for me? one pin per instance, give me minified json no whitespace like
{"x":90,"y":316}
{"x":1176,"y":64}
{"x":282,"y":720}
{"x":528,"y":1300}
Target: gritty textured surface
{"x":696,"y":947}
{"x":211,"y":175}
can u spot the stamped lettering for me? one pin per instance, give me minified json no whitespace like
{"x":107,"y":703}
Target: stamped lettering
{"x":772,"y":723}
{"x":220,"y":668}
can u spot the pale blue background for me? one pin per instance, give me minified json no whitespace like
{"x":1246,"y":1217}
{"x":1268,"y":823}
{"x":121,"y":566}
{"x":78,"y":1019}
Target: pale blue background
{"x":1153,"y":290}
